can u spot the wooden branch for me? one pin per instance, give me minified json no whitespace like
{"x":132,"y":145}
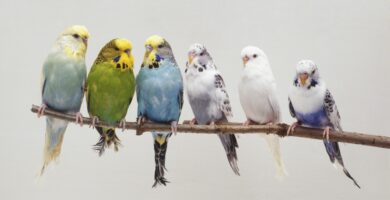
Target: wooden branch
{"x":230,"y":128}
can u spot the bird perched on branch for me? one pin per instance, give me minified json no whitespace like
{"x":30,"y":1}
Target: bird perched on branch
{"x":257,"y":91}
{"x":208,"y":97}
{"x":110,"y":89}
{"x":63,"y":78}
{"x":159,"y":96}
{"x":312,"y":104}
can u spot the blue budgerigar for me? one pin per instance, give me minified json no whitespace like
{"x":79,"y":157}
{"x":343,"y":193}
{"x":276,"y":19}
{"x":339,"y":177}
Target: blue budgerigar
{"x":63,"y":78}
{"x":159,"y":87}
{"x":208,"y":97}
{"x":312,"y":104}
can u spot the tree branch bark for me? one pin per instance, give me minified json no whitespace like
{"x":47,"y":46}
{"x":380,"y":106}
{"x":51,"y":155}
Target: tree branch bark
{"x":238,"y":128}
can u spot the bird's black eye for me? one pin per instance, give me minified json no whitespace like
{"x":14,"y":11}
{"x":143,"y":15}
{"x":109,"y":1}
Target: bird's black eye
{"x":201,"y":54}
{"x":116,"y":48}
{"x":314,"y":71}
{"x":255,"y":55}
{"x":160,"y":46}
{"x":76,"y":36}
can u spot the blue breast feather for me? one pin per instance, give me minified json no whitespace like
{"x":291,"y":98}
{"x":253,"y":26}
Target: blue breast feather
{"x":317,"y":119}
{"x":158,"y":93}
{"x":63,"y":84}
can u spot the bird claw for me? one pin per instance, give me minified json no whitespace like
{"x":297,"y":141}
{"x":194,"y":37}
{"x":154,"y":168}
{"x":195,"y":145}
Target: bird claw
{"x":326,"y":133}
{"x":79,"y":118}
{"x":41,"y":110}
{"x":174,"y":127}
{"x":291,"y":129}
{"x":193,"y":121}
{"x":122,"y":124}
{"x":94,"y":121}
{"x":141,"y":120}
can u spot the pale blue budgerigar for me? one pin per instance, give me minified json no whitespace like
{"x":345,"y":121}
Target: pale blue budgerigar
{"x":159,"y":87}
{"x":208,"y":97}
{"x":312,"y":104}
{"x":63,"y":79}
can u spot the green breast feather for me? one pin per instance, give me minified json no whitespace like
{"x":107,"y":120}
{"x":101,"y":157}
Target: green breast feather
{"x":109,"y":92}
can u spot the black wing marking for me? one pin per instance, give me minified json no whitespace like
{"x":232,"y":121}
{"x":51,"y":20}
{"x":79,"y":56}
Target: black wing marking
{"x":223,"y":96}
{"x":43,"y":86}
{"x":181,"y":99}
{"x":331,"y":111}
{"x":291,"y":107}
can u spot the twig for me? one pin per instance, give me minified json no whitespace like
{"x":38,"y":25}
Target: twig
{"x":229,"y":128}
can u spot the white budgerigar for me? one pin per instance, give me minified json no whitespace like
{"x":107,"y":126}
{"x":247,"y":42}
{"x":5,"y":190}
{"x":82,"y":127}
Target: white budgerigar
{"x":257,"y":90}
{"x":208,"y":97}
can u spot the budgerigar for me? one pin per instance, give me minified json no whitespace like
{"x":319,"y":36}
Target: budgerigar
{"x":257,"y":90}
{"x":63,"y":79}
{"x":110,"y":89}
{"x":208,"y":97}
{"x":312,"y":104}
{"x":159,"y":96}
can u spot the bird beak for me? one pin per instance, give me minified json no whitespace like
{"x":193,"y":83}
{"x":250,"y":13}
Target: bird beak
{"x":303,"y":77}
{"x":85,"y":41}
{"x":190,"y":58}
{"x":245,"y":59}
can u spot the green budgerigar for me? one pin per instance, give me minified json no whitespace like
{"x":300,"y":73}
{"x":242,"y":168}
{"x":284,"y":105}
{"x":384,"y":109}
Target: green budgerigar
{"x":110,"y":89}
{"x":63,"y":77}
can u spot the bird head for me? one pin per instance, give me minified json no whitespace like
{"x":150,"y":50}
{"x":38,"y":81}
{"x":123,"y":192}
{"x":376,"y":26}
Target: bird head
{"x":199,"y":52}
{"x":157,"y":50}
{"x":74,"y":41}
{"x":306,"y":73}
{"x":118,"y":53}
{"x":252,"y":54}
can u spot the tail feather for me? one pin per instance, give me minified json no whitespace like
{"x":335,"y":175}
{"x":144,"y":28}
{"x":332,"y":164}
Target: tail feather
{"x":230,"y":144}
{"x":55,"y":130}
{"x":333,"y":150}
{"x":160,"y":150}
{"x":274,"y":146}
{"x":107,"y":138}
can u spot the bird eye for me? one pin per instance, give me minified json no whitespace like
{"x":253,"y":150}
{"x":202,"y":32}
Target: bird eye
{"x":76,"y":36}
{"x":160,"y":46}
{"x":255,"y":55}
{"x":201,"y":54}
{"x":127,"y":51}
{"x":314,"y":71}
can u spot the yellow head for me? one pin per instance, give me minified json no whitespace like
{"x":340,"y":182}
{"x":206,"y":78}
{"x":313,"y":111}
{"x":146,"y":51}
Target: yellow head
{"x":157,"y":49}
{"x":74,"y":41}
{"x":118,"y":53}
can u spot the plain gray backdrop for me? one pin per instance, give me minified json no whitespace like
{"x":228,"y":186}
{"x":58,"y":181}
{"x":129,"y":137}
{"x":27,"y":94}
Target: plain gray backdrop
{"x":349,"y":41}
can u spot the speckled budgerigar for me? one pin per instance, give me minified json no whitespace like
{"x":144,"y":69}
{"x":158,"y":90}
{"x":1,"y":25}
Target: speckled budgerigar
{"x":312,"y":104}
{"x":110,"y":88}
{"x":208,"y":97}
{"x":257,"y":91}
{"x":63,"y":79}
{"x":159,"y":96}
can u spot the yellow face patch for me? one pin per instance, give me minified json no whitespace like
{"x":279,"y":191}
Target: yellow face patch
{"x":125,"y":60}
{"x":82,"y":31}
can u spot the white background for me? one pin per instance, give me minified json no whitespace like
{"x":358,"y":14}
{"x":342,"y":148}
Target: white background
{"x":349,"y":41}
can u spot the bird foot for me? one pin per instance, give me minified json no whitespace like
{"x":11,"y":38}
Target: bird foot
{"x":193,"y":121}
{"x":141,"y":120}
{"x":79,"y":118}
{"x":174,"y":127}
{"x":212,"y":123}
{"x":291,"y":129}
{"x":326,"y":133}
{"x":122,"y":124}
{"x":249,"y":122}
{"x":41,"y":110}
{"x":94,"y":121}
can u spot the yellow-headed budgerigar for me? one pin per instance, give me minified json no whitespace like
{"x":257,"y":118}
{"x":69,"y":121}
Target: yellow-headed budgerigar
{"x":110,"y":89}
{"x":208,"y":97}
{"x":159,"y":96}
{"x":63,"y":79}
{"x":257,"y":91}
{"x":312,"y":104}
